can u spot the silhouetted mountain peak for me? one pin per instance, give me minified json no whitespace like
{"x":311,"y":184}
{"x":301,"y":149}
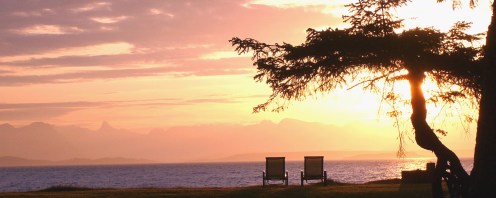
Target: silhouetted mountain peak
{"x":6,"y":127}
{"x":38,"y":126}
{"x":105,"y":127}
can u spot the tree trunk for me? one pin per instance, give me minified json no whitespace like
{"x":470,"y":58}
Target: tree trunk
{"x":484,"y":172}
{"x":427,"y":139}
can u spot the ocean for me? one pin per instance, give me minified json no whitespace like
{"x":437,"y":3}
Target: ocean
{"x":239,"y":174}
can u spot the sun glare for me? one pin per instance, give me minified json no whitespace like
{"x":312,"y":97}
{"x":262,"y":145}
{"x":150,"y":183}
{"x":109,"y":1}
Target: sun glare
{"x":429,"y":87}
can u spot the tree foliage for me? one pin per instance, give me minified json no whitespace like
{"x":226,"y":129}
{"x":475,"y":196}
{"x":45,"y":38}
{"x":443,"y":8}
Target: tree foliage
{"x":335,"y":58}
{"x":375,"y":52}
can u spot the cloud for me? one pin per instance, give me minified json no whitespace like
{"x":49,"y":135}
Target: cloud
{"x":48,"y":110}
{"x":33,"y":13}
{"x":48,"y":29}
{"x":93,"y":50}
{"x":109,"y":19}
{"x":33,"y":114}
{"x":15,"y":80}
{"x":179,"y":69}
{"x":76,"y":104}
{"x":291,"y":3}
{"x":92,"y":6}
{"x":154,"y":11}
{"x":40,"y":111}
{"x":333,"y":7}
{"x":186,"y":37}
{"x":222,"y":55}
{"x":192,"y":23}
{"x":104,"y":55}
{"x":5,"y":72}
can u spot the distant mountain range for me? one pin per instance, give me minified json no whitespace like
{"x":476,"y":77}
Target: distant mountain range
{"x":214,"y":142}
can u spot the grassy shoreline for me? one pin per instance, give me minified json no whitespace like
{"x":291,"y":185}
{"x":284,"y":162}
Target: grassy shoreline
{"x":336,"y":190}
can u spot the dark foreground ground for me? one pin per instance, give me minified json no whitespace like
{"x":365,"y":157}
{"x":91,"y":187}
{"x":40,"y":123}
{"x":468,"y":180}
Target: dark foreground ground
{"x":370,"y":190}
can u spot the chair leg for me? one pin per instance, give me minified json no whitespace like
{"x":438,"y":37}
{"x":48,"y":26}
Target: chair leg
{"x":325,"y":178}
{"x":263,"y":176}
{"x":287,"y":178}
{"x":301,"y":174}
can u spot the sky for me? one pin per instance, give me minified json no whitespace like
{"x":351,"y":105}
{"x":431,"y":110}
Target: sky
{"x":151,"y":64}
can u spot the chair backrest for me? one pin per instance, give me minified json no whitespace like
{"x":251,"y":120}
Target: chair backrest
{"x":275,"y":167}
{"x":314,"y":166}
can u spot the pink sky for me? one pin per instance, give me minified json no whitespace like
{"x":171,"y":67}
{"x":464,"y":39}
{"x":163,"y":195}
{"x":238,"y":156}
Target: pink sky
{"x":157,"y":64}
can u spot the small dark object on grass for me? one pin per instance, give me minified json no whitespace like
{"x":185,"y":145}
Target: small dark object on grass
{"x":331,"y":182}
{"x":64,"y":189}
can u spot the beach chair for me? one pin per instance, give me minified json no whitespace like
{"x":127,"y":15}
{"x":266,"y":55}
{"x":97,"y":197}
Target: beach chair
{"x":275,"y":169}
{"x":314,"y":169}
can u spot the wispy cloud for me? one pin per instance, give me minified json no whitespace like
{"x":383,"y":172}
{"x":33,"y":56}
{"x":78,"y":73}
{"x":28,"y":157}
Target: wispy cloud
{"x":16,"y":80}
{"x":190,"y":38}
{"x":92,"y":6}
{"x":179,"y":69}
{"x":333,"y":7}
{"x":45,"y":111}
{"x":74,"y":104}
{"x":291,"y":3}
{"x":155,"y":11}
{"x":48,"y":29}
{"x":33,"y":114}
{"x":33,"y":13}
{"x":93,"y":50}
{"x":109,"y":19}
{"x":42,"y":111}
{"x":222,"y":55}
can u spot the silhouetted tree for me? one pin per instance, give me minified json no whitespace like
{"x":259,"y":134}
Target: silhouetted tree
{"x":372,"y":51}
{"x":484,"y":173}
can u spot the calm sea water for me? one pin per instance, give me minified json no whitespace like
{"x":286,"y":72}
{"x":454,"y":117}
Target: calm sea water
{"x":194,"y":174}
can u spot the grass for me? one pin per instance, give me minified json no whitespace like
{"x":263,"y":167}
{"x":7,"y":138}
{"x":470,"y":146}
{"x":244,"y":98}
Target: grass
{"x":370,"y":190}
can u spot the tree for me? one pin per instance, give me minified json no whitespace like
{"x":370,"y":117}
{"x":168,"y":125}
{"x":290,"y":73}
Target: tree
{"x":483,"y":172}
{"x":332,"y":58}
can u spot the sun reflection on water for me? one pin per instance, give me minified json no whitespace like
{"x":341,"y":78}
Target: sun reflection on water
{"x":365,"y":171}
